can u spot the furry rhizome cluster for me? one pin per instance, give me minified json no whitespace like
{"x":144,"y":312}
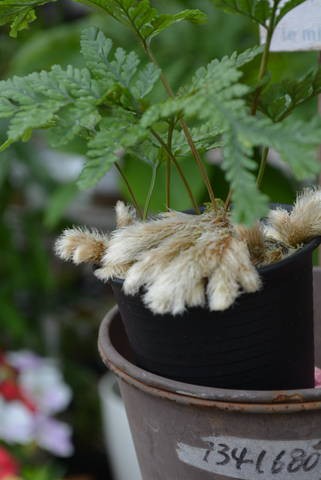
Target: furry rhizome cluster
{"x":178,"y":260}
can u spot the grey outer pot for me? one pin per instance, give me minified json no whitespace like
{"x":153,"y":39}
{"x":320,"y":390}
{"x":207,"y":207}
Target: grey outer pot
{"x":187,"y":432}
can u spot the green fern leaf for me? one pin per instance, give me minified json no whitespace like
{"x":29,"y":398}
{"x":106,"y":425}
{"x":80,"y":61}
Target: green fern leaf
{"x":295,"y":141}
{"x":122,"y":70}
{"x":145,"y":81}
{"x":248,"y":202}
{"x":116,"y":135}
{"x":212,"y":87}
{"x":96,"y":49}
{"x":287,"y":7}
{"x":7,"y":109}
{"x":216,"y":95}
{"x":205,"y":137}
{"x":145,"y":20}
{"x":80,"y":119}
{"x":257,"y":10}
{"x":38,"y":98}
{"x":19,"y":13}
{"x":279,"y":100}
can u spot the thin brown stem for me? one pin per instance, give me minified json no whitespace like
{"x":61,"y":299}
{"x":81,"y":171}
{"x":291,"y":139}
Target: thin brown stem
{"x":150,"y":190}
{"x":169,"y":166}
{"x":265,"y":58}
{"x":263,"y":163}
{"x":262,"y":72}
{"x":179,"y":169}
{"x":185,"y":129}
{"x":130,"y":190}
{"x":168,"y":184}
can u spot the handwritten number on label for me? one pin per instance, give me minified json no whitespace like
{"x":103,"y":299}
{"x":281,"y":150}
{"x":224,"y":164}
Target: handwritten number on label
{"x":208,"y":451}
{"x":298,"y":459}
{"x":278,"y":466}
{"x":223,"y":452}
{"x":259,"y":461}
{"x":241,"y":458}
{"x":311,"y":462}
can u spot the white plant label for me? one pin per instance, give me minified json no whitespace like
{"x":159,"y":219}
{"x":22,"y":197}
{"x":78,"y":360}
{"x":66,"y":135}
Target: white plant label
{"x":252,"y":459}
{"x":300,"y":29}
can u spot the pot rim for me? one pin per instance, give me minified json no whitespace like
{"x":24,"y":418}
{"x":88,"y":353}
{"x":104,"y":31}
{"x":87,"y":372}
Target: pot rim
{"x":250,"y":401}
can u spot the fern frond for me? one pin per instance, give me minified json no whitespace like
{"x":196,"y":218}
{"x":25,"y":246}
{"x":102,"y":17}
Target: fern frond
{"x":34,"y":101}
{"x":19,"y":13}
{"x":115,"y":135}
{"x":143,"y":19}
{"x":257,"y":10}
{"x":121,"y":70}
{"x":216,"y":95}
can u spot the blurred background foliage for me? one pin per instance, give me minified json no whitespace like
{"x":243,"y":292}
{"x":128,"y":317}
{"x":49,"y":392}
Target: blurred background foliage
{"x":56,"y":309}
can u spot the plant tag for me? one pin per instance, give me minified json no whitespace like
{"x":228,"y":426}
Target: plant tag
{"x":250,"y":459}
{"x":300,"y":29}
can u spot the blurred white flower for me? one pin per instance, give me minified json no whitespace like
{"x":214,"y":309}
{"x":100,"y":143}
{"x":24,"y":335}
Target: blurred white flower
{"x":23,"y":360}
{"x":16,"y":422}
{"x":42,"y":381}
{"x":44,"y":385}
{"x":53,"y":436}
{"x":38,"y":382}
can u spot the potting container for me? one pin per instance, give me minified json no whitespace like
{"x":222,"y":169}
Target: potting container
{"x":188,"y":432}
{"x":263,"y":342}
{"x":117,"y":436}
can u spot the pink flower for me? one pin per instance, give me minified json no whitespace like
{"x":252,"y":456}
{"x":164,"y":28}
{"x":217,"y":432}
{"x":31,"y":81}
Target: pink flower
{"x":317,"y":376}
{"x":10,"y":391}
{"x":41,"y":381}
{"x":16,"y":422}
{"x":54,"y":436}
{"x":8,"y":465}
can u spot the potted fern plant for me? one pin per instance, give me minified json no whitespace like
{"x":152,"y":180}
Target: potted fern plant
{"x":215,"y":296}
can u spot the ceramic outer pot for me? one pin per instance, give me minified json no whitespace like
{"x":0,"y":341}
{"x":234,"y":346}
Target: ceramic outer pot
{"x":187,"y":432}
{"x":116,"y":431}
{"x":263,"y":342}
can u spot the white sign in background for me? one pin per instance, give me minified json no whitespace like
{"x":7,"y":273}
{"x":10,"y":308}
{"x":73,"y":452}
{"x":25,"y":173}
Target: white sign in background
{"x":252,"y":459}
{"x":300,"y":29}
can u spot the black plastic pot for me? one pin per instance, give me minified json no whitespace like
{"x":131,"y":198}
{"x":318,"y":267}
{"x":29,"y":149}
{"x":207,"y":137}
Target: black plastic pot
{"x":263,"y":342}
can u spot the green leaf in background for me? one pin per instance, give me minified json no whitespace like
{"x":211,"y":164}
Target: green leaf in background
{"x":19,"y":13}
{"x":137,"y":172}
{"x":58,"y":202}
{"x":139,"y":15}
{"x":257,"y":10}
{"x":287,"y":7}
{"x":142,"y":18}
{"x":280,"y":99}
{"x":12,"y":320}
{"x":296,"y":141}
{"x":42,"y":473}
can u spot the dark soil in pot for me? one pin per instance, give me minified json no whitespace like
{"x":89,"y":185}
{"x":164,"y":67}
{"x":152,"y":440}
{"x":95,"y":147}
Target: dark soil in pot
{"x":264,"y":342}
